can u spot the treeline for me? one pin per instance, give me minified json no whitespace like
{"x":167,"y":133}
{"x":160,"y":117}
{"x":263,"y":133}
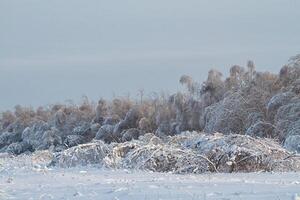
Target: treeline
{"x":259,"y":104}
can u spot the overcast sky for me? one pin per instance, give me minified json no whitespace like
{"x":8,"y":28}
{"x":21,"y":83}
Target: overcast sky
{"x":54,"y":50}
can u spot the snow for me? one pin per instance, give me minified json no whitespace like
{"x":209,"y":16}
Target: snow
{"x":97,"y":183}
{"x":27,"y":177}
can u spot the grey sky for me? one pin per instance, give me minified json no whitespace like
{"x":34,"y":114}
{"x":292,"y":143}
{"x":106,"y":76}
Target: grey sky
{"x":53,"y":50}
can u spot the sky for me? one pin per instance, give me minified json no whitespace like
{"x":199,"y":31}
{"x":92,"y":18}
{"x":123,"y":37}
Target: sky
{"x":53,"y":50}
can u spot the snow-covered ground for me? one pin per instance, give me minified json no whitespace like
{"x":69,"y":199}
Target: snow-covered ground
{"x":95,"y":183}
{"x":27,"y":177}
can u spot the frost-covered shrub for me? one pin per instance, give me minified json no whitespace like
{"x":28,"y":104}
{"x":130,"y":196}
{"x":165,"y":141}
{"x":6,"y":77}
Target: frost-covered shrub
{"x":145,"y":125}
{"x":164,"y":129}
{"x":166,"y":158}
{"x":82,"y":155}
{"x":130,"y":121}
{"x":236,"y":79}
{"x":18,"y":148}
{"x":180,"y":105}
{"x":106,"y":133}
{"x":227,"y":116}
{"x":111,"y":120}
{"x":192,"y":86}
{"x":164,"y":117}
{"x":190,"y":152}
{"x":253,"y":118}
{"x":287,"y":119}
{"x":73,"y":140}
{"x":85,"y":131}
{"x":51,"y":138}
{"x":8,"y":138}
{"x":24,"y":114}
{"x":43,"y":114}
{"x":239,"y":153}
{"x":42,"y":136}
{"x":292,"y":143}
{"x":7,"y":118}
{"x":213,"y":88}
{"x":195,"y":108}
{"x":276,"y":102}
{"x":34,"y":135}
{"x":120,"y":107}
{"x":67,"y":117}
{"x":101,"y":111}
{"x":95,"y":128}
{"x":130,"y":134}
{"x":295,"y":86}
{"x":290,"y":72}
{"x":266,"y":81}
{"x":262,"y":129}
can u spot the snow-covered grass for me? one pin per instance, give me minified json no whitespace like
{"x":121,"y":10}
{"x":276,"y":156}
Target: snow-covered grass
{"x":25,"y":177}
